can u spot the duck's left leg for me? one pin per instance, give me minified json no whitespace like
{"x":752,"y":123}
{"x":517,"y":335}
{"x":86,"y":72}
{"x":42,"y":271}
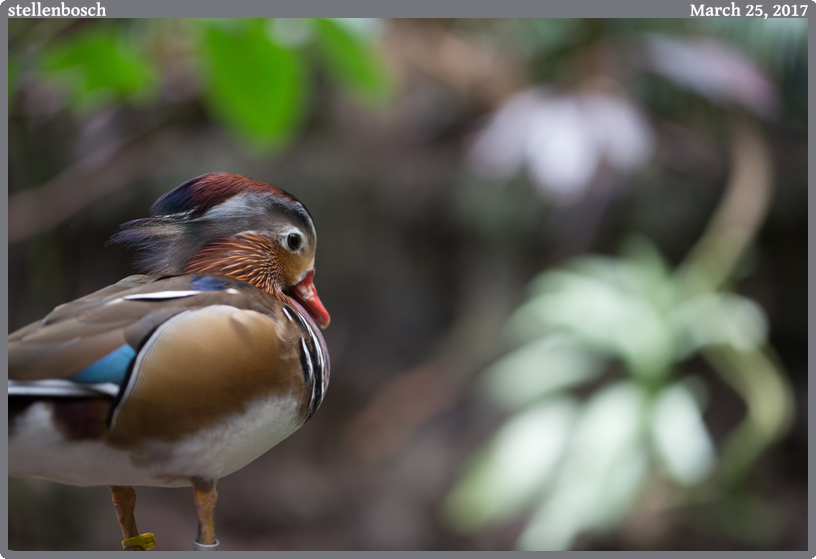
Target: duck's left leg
{"x":205,"y":496}
{"x":124,"y":501}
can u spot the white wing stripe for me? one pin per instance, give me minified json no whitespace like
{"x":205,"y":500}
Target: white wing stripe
{"x":60,"y":387}
{"x":160,"y":295}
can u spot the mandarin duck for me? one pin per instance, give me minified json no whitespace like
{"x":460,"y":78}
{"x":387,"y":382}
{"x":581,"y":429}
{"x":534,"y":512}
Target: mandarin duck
{"x":185,"y":374}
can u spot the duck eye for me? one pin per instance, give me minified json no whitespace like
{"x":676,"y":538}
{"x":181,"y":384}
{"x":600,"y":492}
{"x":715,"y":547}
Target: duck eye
{"x":293,"y":241}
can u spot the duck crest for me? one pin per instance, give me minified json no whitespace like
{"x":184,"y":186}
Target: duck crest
{"x":213,"y":207}
{"x":202,"y":193}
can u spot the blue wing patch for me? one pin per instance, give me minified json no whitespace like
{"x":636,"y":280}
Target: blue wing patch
{"x":209,"y":283}
{"x":111,"y":368}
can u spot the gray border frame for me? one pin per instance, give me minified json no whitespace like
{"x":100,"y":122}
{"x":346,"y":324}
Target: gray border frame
{"x":424,"y":8}
{"x":386,"y":8}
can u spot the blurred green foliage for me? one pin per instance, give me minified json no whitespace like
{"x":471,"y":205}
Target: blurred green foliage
{"x":579,"y":464}
{"x":254,"y":75}
{"x":12,"y":77}
{"x":255,"y":86}
{"x":97,"y":66}
{"x":350,"y":59}
{"x":599,"y":393}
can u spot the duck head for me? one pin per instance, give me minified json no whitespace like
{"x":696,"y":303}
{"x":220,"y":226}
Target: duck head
{"x":222,"y":223}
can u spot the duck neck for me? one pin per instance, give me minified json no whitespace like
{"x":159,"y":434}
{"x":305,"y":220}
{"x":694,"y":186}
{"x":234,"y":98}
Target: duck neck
{"x":247,"y":257}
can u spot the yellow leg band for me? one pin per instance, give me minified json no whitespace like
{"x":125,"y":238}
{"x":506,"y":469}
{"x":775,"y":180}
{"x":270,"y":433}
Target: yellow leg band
{"x":147,"y":541}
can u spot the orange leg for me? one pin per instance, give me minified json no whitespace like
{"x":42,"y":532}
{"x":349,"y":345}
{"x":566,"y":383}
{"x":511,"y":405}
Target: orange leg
{"x":124,"y":501}
{"x":205,"y":496}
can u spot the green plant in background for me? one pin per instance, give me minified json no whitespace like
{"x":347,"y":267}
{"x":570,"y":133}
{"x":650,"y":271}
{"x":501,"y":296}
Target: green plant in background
{"x":254,"y":86}
{"x":623,"y":330}
{"x":254,"y":75}
{"x":600,"y":397}
{"x":257,"y":71}
{"x":580,"y":463}
{"x":97,"y":66}
{"x":600,"y":392}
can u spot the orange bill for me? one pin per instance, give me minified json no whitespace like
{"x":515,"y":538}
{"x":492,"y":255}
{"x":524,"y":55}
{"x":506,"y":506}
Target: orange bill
{"x":306,"y":294}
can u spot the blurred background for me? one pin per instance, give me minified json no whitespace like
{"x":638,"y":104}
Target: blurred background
{"x":565,"y":262}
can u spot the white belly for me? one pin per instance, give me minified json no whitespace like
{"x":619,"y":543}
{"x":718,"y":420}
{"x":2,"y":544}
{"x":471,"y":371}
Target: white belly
{"x":38,"y":449}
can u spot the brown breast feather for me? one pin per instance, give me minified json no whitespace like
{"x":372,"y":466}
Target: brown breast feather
{"x":202,"y":367}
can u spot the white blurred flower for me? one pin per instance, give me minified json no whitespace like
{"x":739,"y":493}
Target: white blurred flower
{"x":561,"y":151}
{"x":499,"y":149}
{"x":562,"y":139}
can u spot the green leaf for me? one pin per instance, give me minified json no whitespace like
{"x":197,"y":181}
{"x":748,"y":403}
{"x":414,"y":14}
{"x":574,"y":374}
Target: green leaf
{"x":513,"y":468}
{"x":605,"y":310}
{"x":680,"y":435}
{"x":538,"y":369}
{"x":605,"y":449}
{"x":652,"y":273}
{"x":622,"y":485}
{"x":254,"y":86}
{"x":351,"y":60}
{"x":96,"y":66}
{"x":719,"y":318}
